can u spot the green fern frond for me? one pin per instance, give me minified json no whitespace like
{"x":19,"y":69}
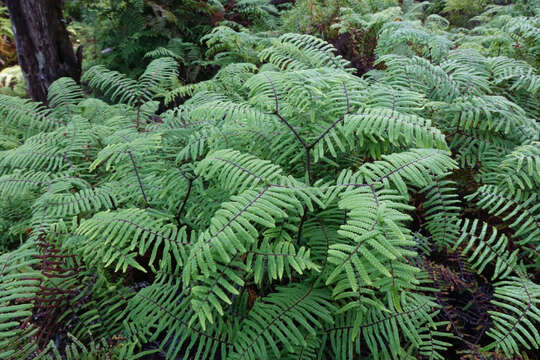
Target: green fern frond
{"x":116,"y":153}
{"x":300,"y":308}
{"x":226,"y":45}
{"x":517,"y":317}
{"x":18,"y":112}
{"x":522,"y":210}
{"x":442,"y":212}
{"x":63,"y":95}
{"x":487,"y":113}
{"x":215,"y":293}
{"x":155,"y":313}
{"x":39,"y":157}
{"x":277,"y":259}
{"x":163,"y":52}
{"x":239,"y":171}
{"x":419,"y":75}
{"x":517,"y":74}
{"x":19,"y":283}
{"x":84,"y":201}
{"x":479,"y":147}
{"x":521,"y":168}
{"x":375,"y":235}
{"x":298,"y":52}
{"x":229,"y":79}
{"x":118,"y":237}
{"x":157,"y":73}
{"x":394,"y":37}
{"x":376,"y":124}
{"x":120,"y":88}
{"x":396,"y":99}
{"x":383,"y":331}
{"x":417,"y":167}
{"x":232,"y":227}
{"x":113,"y":84}
{"x":96,"y":350}
{"x":484,"y":245}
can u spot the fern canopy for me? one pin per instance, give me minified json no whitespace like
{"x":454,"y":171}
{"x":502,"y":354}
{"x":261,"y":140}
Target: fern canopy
{"x":289,"y":206}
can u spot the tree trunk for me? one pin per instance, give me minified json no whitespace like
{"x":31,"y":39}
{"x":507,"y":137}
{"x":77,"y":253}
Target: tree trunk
{"x":44,"y":50}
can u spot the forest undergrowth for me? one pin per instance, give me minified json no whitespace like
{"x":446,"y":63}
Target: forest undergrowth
{"x":310,"y":179}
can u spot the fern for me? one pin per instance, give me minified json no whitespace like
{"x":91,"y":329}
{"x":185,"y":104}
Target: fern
{"x":295,"y":52}
{"x":18,"y":287}
{"x":487,"y":249}
{"x":307,"y":306}
{"x":514,"y":327}
{"x":96,"y":239}
{"x":287,"y":206}
{"x":123,"y":89}
{"x":523,"y":212}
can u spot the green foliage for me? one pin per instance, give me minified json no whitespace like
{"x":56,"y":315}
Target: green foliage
{"x":118,"y":34}
{"x":286,"y":207}
{"x":19,"y":284}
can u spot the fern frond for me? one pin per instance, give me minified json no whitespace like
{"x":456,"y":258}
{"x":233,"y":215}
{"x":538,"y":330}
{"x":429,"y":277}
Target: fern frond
{"x":18,"y":112}
{"x":484,"y":245}
{"x":487,"y":113}
{"x":396,"y":36}
{"x":297,"y":52}
{"x":517,"y":318}
{"x":19,"y":182}
{"x":63,"y":95}
{"x":84,"y":201}
{"x":162,"y":312}
{"x":120,"y":88}
{"x":397,"y":99}
{"x":442,"y":212}
{"x":19,"y":283}
{"x":300,"y":308}
{"x":417,"y":167}
{"x":479,"y":147}
{"x":521,"y":168}
{"x":160,"y":52}
{"x":156,"y":74}
{"x":113,"y":84}
{"x":226,"y":45}
{"x":239,"y":171}
{"x":376,"y":124}
{"x":522,"y":210}
{"x":216,"y":292}
{"x":232,"y":227}
{"x":96,"y":350}
{"x":117,"y":237}
{"x":229,"y":79}
{"x":517,"y":74}
{"x":39,"y":157}
{"x":469,"y":70}
{"x":277,"y":259}
{"x":119,"y":152}
{"x":384,"y":331}
{"x":419,"y":75}
{"x":375,"y":235}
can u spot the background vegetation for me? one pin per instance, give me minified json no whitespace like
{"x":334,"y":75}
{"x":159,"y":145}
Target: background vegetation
{"x":253,"y":179}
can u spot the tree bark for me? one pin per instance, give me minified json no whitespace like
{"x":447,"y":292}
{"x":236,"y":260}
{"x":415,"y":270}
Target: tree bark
{"x":44,"y":50}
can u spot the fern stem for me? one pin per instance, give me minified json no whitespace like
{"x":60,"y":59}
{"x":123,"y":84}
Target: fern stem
{"x":188,"y":192}
{"x":292,"y":129}
{"x":138,"y":178}
{"x":301,"y":225}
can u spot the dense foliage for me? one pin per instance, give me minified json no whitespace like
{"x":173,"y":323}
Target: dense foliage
{"x":374,"y":201}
